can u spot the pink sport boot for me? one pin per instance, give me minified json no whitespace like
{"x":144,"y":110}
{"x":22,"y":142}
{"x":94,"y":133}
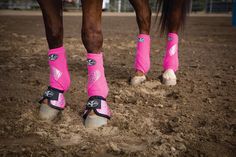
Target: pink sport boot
{"x":171,"y":61}
{"x":59,"y":83}
{"x":142,"y":58}
{"x":97,"y":112}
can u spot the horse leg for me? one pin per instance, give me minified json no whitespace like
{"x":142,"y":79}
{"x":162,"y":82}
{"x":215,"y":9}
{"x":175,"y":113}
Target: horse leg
{"x":97,"y":111}
{"x":52,"y":16}
{"x":142,"y":59}
{"x":173,"y":23}
{"x":53,"y":99}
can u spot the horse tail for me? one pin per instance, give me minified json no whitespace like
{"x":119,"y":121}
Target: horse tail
{"x":170,"y":8}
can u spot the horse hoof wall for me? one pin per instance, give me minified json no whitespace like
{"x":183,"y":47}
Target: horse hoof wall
{"x":94,"y":121}
{"x":48,"y":113}
{"x":137,"y":80}
{"x":169,"y":78}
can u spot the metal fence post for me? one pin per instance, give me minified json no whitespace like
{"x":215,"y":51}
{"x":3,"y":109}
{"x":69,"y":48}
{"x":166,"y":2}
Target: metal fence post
{"x":211,"y":6}
{"x":119,"y":6}
{"x":234,"y":13}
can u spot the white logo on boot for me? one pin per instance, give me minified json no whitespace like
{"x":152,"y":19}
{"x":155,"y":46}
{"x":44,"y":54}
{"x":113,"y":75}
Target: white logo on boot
{"x":94,"y":76}
{"x":141,"y":40}
{"x":173,"y":50}
{"x":56,"y":73}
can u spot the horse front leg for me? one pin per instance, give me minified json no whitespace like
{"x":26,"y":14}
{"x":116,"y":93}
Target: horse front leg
{"x":53,"y":100}
{"x":97,"y":111}
{"x":142,"y":58}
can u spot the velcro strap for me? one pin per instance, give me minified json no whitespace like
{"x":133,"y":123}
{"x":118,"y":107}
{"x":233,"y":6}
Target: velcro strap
{"x":51,"y":94}
{"x":94,"y":102}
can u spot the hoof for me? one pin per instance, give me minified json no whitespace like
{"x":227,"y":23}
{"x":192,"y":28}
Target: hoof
{"x":137,"y":80}
{"x":169,"y":78}
{"x":94,"y":121}
{"x":48,"y":113}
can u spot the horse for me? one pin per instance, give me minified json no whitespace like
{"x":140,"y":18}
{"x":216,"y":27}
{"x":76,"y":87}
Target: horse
{"x":97,"y":112}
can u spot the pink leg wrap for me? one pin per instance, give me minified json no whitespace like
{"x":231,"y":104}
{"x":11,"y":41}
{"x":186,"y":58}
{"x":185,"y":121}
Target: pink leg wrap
{"x":97,"y":84}
{"x":59,"y":79}
{"x":171,"y":60}
{"x":142,"y":59}
{"x":59,"y":75}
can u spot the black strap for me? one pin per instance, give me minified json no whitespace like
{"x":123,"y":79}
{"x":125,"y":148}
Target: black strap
{"x":96,"y":97}
{"x":94,"y":103}
{"x":50,"y":94}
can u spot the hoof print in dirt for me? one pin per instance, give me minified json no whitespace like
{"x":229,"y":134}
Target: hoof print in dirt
{"x":174,"y":95}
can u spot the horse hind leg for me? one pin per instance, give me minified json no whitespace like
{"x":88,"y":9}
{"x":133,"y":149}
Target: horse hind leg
{"x":171,"y":61}
{"x":173,"y":18}
{"x":142,"y":58}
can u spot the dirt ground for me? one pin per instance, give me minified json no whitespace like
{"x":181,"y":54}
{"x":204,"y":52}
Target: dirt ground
{"x":196,"y":118}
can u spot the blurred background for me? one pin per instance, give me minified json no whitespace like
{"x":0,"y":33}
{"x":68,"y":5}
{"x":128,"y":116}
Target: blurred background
{"x":205,"y":6}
